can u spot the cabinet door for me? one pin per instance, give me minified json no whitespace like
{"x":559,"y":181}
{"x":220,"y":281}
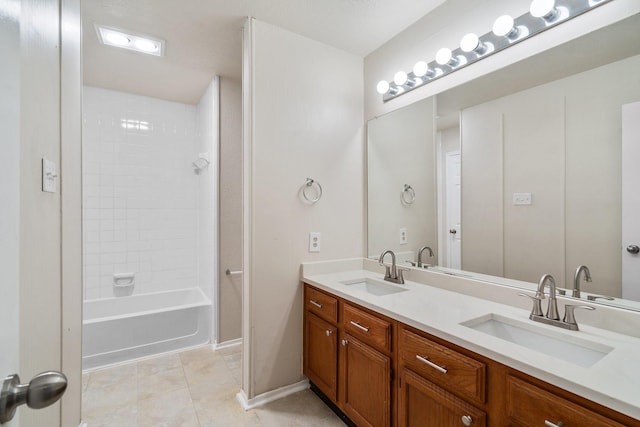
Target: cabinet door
{"x":321,"y":354}
{"x":423,"y":404}
{"x":365,"y":380}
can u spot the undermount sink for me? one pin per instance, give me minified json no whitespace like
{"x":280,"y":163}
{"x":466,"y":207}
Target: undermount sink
{"x":373,"y":287}
{"x":562,"y":345}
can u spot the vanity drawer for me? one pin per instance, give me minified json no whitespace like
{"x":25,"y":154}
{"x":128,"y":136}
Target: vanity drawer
{"x":366,"y":327}
{"x":528,"y":405}
{"x":448,"y":368}
{"x":321,"y":304}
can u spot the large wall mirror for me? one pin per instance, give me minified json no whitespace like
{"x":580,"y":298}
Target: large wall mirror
{"x":520,"y":173}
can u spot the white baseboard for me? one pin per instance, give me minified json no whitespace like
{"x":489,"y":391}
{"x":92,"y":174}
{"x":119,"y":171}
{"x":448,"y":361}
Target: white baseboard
{"x":227,"y":344}
{"x":270,"y":396}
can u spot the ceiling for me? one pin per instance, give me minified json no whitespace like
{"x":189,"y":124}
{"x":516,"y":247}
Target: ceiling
{"x":204,"y":37}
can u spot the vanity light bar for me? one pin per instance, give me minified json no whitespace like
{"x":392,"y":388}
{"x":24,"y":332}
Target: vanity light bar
{"x":507,"y":31}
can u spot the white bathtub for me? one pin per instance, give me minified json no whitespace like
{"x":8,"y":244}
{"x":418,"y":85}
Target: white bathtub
{"x":124,"y":328}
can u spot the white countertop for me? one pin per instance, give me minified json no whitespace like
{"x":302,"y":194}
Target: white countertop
{"x":613,"y":381}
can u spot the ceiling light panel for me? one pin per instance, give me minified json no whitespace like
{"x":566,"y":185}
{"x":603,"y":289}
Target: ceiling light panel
{"x":127,"y":40}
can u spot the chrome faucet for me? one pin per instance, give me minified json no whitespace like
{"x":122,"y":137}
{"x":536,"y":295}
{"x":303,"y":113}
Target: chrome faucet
{"x":576,"y":279}
{"x":392,"y":273}
{"x":552,"y":317}
{"x":422,"y":249}
{"x":552,"y":307}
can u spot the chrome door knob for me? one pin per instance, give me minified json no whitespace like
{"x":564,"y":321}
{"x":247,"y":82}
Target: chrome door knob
{"x":43,"y":390}
{"x":467,"y":420}
{"x":633,"y":249}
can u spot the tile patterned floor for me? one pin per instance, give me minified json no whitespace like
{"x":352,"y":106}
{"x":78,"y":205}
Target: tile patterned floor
{"x":195,"y":388}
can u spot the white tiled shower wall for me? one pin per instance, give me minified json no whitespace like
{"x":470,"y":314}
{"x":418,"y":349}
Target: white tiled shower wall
{"x":140,"y":193}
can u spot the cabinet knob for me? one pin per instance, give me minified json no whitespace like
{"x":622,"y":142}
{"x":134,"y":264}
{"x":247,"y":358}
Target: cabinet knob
{"x":344,"y":343}
{"x":329,"y":332}
{"x":467,"y":420}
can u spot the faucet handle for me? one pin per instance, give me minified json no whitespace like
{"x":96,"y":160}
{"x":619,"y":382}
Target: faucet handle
{"x":536,"y":310}
{"x":569,"y":315}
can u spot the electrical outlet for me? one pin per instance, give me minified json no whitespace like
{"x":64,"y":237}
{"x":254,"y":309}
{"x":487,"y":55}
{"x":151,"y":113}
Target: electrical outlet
{"x":521,"y":198}
{"x":403,"y":236}
{"x":315,"y":238}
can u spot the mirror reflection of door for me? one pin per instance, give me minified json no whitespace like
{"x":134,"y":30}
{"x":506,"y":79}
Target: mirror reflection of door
{"x":453,"y":189}
{"x":630,"y":201}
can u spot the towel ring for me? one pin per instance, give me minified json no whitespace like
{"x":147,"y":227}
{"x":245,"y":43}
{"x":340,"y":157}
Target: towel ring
{"x":408,"y":195}
{"x":310,"y":183}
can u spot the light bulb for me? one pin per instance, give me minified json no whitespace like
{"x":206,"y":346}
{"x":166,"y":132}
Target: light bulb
{"x":383,"y":87}
{"x":420,"y":69}
{"x":469,"y":43}
{"x":503,"y":26}
{"x":543,"y":9}
{"x":146,"y":45}
{"x":117,"y":39}
{"x":400,"y":78}
{"x":443,"y":56}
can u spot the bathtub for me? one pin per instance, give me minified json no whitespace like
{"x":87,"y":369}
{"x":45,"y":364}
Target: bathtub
{"x":124,"y":328}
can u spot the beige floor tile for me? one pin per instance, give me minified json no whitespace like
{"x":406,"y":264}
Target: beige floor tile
{"x":99,"y":400}
{"x":160,"y":382}
{"x":225,"y":411}
{"x":123,"y":375}
{"x":195,"y":388}
{"x":116,"y":416}
{"x":297,"y":410}
{"x":159,"y":364}
{"x":171,"y":404}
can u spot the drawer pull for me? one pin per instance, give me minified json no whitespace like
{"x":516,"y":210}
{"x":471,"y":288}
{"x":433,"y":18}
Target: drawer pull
{"x":550,"y":424}
{"x":433,"y":365}
{"x":359,"y":326}
{"x":467,"y":420}
{"x":315,"y":303}
{"x":329,"y":332}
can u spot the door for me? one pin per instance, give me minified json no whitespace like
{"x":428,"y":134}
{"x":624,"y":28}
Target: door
{"x":321,"y":354}
{"x":453,"y":230}
{"x":630,"y":201}
{"x":9,"y":192}
{"x":30,"y":218}
{"x":365,"y":383}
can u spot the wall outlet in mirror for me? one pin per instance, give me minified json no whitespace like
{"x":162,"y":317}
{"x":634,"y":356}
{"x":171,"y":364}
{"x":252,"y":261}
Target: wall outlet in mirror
{"x":403,"y":236}
{"x":521,"y":198}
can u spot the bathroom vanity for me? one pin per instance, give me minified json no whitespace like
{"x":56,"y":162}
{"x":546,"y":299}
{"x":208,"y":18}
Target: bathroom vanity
{"x":419,"y":355}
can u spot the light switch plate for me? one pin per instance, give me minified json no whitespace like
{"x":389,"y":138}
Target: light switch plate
{"x":315,"y":238}
{"x":521,"y":198}
{"x":49,"y":176}
{"x":403,"y":236}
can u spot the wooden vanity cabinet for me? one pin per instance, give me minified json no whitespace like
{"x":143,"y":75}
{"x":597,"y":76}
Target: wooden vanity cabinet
{"x":351,"y":354}
{"x":348,"y":356}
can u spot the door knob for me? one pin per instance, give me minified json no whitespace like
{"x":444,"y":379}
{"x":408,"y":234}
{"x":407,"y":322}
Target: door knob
{"x":43,"y":390}
{"x":633,"y":249}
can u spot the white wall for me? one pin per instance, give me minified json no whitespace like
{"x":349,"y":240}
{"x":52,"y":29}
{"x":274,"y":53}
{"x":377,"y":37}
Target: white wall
{"x":140,"y":193}
{"x":560,"y":142}
{"x":207,"y":190}
{"x":230,"y":210}
{"x":401,"y":150}
{"x":305,"y":120}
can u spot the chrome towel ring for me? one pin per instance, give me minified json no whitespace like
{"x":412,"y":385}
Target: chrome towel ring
{"x":311,"y":183}
{"x":408,"y":195}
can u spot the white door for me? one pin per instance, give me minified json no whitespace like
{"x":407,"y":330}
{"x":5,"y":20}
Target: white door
{"x":9,"y":192}
{"x":453,"y":230}
{"x":630,"y":201}
{"x":30,"y":259}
